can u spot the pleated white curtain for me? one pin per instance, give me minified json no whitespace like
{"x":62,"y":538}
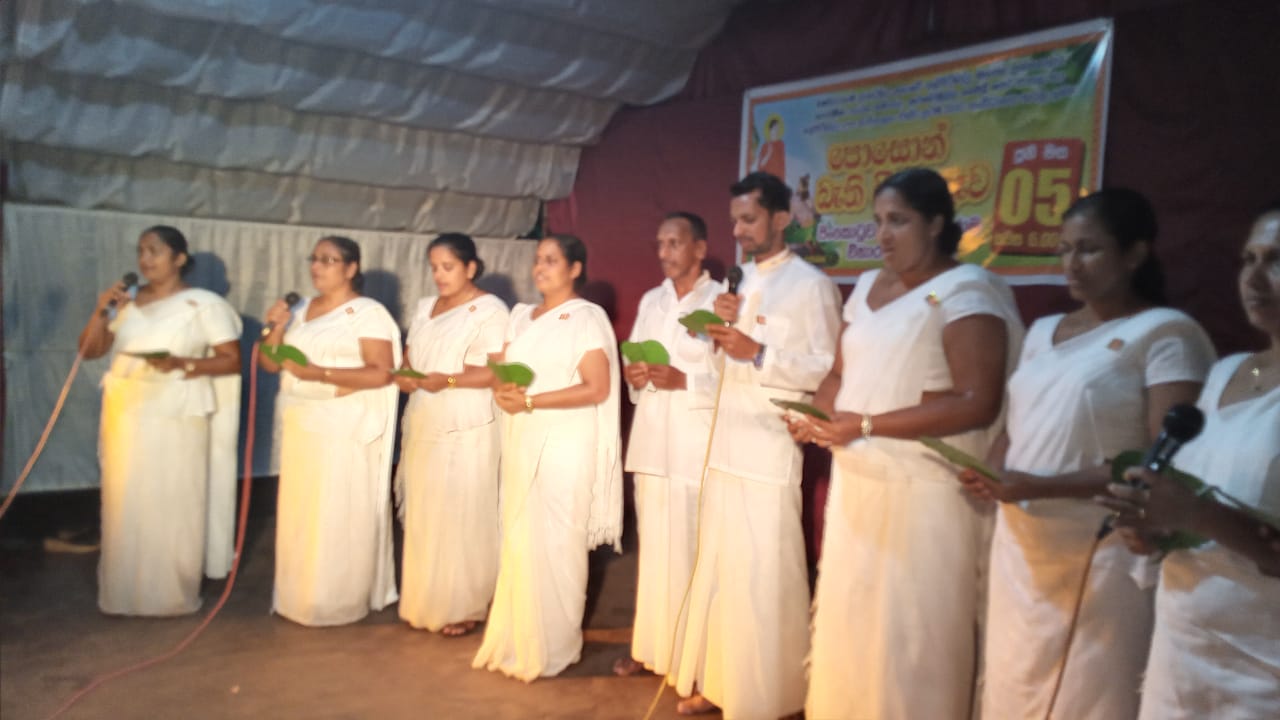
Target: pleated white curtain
{"x":57,"y":260}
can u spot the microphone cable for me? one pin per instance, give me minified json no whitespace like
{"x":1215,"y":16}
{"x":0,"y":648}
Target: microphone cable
{"x":44,"y":436}
{"x":245,"y":488}
{"x":1071,"y":626}
{"x":697,"y":554}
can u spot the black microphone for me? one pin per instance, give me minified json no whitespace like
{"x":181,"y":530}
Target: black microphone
{"x":734,"y":278}
{"x":130,"y":279}
{"x":290,"y":299}
{"x":1180,"y":425}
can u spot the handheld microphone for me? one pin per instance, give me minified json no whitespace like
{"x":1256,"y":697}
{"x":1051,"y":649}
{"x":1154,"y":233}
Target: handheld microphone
{"x":1180,"y":425}
{"x":734,"y":278}
{"x":130,"y":279}
{"x":290,"y":299}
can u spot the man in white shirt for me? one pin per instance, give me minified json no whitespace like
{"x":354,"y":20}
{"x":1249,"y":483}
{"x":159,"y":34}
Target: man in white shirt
{"x":746,"y":633}
{"x":669,"y":435}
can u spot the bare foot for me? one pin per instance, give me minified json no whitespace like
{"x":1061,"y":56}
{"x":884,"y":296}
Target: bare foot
{"x":458,"y":629}
{"x":626,"y":667}
{"x":695,"y":705}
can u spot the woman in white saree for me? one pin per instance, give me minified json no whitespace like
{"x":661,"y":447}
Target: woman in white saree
{"x":927,"y":346}
{"x":1215,"y":652}
{"x":561,"y":469}
{"x":337,"y":416}
{"x":447,"y":480}
{"x":1091,"y":384}
{"x":170,"y":416}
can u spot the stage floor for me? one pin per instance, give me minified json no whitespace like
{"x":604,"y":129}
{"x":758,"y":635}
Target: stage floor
{"x":251,"y":664}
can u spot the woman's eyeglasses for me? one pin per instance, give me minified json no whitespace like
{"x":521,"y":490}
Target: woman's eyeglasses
{"x":323,"y":259}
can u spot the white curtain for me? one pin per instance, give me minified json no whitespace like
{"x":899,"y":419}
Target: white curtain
{"x":57,"y":260}
{"x":418,"y":115}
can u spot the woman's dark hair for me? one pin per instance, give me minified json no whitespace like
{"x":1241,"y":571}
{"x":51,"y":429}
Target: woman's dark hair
{"x":462,"y":247}
{"x":1128,"y":217}
{"x":574,"y":251}
{"x":927,"y":193}
{"x":350,"y":252}
{"x":177,"y":242}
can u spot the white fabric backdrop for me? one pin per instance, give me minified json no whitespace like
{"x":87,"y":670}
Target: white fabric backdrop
{"x":370,"y":114}
{"x":57,"y":260}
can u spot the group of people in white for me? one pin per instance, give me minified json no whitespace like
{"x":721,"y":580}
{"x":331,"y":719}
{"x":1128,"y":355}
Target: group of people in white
{"x":941,"y":592}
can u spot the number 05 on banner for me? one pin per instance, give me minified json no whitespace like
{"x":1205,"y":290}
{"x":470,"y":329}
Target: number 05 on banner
{"x":1038,"y":181}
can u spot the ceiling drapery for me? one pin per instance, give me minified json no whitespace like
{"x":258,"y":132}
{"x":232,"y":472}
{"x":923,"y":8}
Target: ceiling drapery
{"x":421,"y":115}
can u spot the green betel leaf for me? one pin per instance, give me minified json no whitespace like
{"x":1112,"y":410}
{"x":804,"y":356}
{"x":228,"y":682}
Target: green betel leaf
{"x":282,"y":352}
{"x":1178,"y":539}
{"x":1130,"y":458}
{"x":409,"y":373}
{"x":698,"y":320}
{"x":512,"y":372}
{"x":654,"y":353}
{"x":149,"y":354}
{"x":956,"y":456}
{"x":632,"y":351}
{"x":803,"y":408}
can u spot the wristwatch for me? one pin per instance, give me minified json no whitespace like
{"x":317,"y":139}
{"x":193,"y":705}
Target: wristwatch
{"x":451,"y":381}
{"x":189,"y":366}
{"x":528,"y":403}
{"x":866,"y":426}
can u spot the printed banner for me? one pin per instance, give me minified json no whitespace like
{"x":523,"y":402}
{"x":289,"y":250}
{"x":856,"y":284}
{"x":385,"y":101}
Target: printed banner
{"x":1016,"y":127}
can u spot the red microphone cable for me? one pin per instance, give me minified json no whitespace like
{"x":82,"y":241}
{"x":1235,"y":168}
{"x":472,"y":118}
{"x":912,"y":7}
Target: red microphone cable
{"x":245,"y":487}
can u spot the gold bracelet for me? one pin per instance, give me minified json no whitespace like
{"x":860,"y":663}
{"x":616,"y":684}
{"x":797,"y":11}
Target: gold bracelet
{"x":866,"y":427}
{"x":451,"y":381}
{"x":528,"y":403}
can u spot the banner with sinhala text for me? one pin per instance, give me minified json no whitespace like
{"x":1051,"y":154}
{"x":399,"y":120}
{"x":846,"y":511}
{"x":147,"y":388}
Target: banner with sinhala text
{"x":1016,"y":127}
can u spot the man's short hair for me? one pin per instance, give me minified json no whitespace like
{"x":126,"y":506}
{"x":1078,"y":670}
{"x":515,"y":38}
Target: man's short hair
{"x":775,"y":196}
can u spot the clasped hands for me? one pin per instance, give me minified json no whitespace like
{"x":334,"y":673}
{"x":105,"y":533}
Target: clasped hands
{"x":737,"y":344}
{"x":509,"y":397}
{"x":842,"y":429}
{"x":663,"y":377}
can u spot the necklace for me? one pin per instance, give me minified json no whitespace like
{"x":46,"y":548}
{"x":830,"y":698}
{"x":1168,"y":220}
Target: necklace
{"x":1259,"y":371}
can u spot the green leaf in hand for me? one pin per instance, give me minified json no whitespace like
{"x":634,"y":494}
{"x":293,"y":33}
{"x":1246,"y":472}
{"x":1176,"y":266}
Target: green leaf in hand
{"x":956,"y":456}
{"x":698,"y":320}
{"x":1177,"y":539}
{"x":149,"y":354}
{"x":279,"y":353}
{"x":632,"y":351}
{"x":409,"y":373}
{"x":512,"y":372}
{"x":803,"y":408}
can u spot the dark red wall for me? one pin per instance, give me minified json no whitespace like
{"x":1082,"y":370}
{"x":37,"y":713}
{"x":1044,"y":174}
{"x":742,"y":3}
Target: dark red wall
{"x":1193,"y":123}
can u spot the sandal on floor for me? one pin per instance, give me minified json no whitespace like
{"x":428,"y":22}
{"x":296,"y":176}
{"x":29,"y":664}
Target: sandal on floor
{"x":696,"y":705}
{"x":460,"y":628}
{"x":626,"y":667}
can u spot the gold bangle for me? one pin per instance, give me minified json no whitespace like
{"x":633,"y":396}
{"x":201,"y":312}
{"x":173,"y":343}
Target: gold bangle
{"x":528,"y":403}
{"x":866,"y":427}
{"x":451,"y":381}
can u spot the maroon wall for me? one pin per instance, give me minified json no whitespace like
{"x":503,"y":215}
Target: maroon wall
{"x":1194,"y":112}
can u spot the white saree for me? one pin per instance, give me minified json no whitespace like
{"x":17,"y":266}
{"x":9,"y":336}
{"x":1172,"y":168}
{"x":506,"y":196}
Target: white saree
{"x":899,"y":593}
{"x":167,"y":451}
{"x":447,"y":480}
{"x":561,"y":495}
{"x":1215,"y":652}
{"x":1071,"y":406}
{"x":333,"y":516}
